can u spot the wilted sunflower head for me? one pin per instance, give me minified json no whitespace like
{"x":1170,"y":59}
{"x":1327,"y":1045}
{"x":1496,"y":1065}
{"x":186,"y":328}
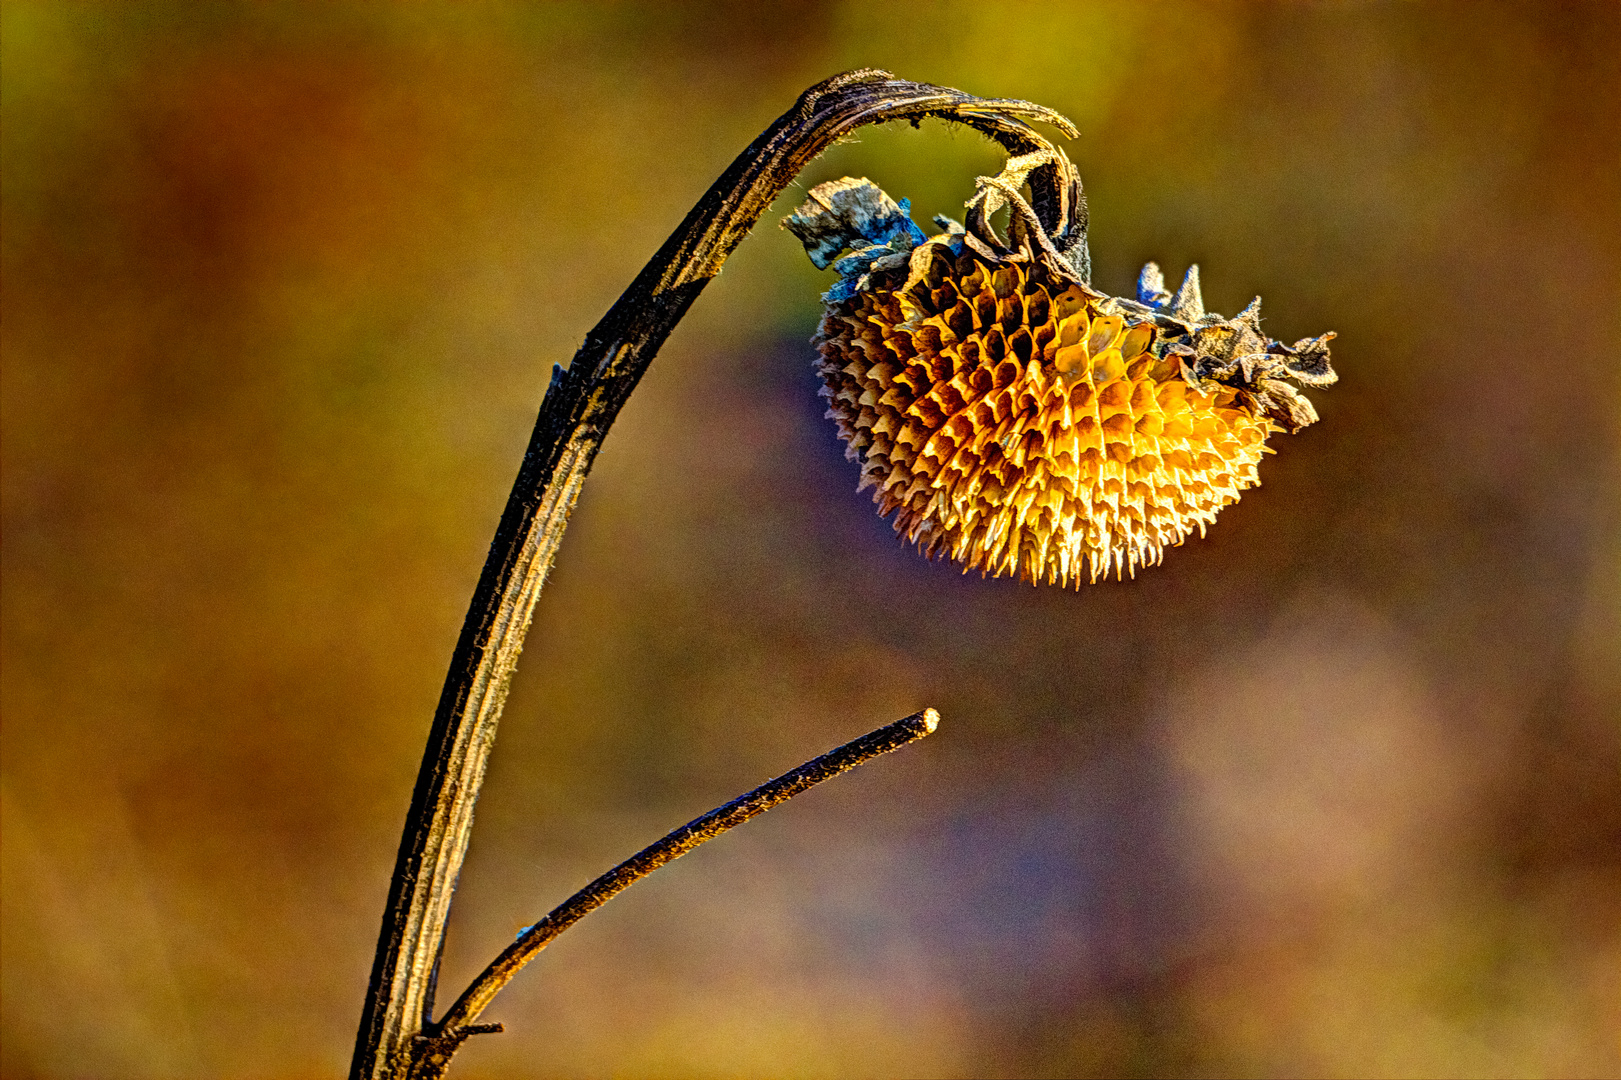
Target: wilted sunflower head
{"x":1013,"y":417}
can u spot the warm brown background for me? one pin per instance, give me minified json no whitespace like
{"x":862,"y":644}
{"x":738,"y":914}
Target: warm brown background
{"x":1336,"y":791}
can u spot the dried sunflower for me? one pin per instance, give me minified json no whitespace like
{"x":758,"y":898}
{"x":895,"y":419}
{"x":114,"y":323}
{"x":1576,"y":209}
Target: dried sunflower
{"x":1013,"y":417}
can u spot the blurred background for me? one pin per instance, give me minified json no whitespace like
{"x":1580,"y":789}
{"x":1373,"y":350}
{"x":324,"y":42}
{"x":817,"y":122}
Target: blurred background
{"x":1333,"y":792}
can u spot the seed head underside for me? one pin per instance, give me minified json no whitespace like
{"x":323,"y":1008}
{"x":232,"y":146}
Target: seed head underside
{"x":1020,"y":422}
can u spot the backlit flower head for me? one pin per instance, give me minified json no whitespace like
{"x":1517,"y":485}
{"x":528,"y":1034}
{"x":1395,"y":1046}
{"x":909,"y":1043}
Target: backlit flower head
{"x":1013,"y":417}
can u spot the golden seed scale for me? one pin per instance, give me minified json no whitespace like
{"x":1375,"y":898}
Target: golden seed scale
{"x":1012,"y":425}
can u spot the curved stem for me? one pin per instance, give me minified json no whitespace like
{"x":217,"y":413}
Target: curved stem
{"x":579,"y":407}
{"x":443,"y":1038}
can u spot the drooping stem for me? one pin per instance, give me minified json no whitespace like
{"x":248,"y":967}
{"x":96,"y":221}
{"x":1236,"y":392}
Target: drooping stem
{"x":441,"y":1040}
{"x":579,"y":407}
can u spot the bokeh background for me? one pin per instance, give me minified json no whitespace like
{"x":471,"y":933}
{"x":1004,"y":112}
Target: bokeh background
{"x":1335,"y":791}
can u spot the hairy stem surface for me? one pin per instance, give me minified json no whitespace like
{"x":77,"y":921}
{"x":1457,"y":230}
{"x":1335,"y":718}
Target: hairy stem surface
{"x":579,"y":407}
{"x":441,"y":1040}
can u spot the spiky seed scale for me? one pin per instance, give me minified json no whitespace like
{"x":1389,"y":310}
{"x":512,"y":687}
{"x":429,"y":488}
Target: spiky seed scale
{"x":1055,"y":450}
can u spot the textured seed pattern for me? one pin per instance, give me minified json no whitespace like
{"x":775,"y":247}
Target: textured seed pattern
{"x":1014,"y":425}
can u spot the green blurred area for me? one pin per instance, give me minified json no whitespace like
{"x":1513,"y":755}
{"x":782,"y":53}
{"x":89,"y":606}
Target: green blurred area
{"x":1332,"y":792}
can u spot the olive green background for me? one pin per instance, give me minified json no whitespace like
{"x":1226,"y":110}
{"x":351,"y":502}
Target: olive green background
{"x":1332,"y":792}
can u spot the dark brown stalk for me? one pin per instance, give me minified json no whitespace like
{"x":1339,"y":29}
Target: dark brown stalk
{"x":579,"y":407}
{"x":441,"y":1040}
